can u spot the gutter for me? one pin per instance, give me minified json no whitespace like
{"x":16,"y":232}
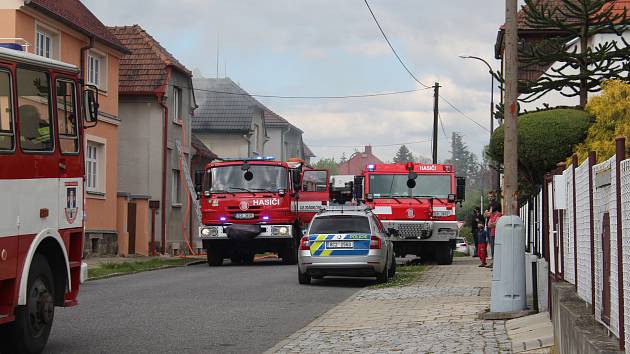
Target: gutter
{"x":82,"y":51}
{"x":161,"y":97}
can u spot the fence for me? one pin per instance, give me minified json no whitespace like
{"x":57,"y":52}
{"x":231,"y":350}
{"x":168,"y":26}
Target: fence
{"x":580,"y":223}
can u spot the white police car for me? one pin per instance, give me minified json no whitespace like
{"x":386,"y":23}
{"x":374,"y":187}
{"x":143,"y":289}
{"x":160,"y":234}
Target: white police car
{"x":346,"y":241}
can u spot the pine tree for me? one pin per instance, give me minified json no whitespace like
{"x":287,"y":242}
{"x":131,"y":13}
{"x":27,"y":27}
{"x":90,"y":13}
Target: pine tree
{"x":464,"y":162}
{"x":576,"y":70}
{"x":403,"y":155}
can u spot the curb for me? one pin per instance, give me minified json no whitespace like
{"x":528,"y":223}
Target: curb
{"x":112,"y":275}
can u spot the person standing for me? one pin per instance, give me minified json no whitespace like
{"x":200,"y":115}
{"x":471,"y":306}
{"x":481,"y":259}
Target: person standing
{"x":482,"y":236}
{"x":475,"y":219}
{"x":495,"y":215}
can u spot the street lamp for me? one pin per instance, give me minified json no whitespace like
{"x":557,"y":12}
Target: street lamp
{"x":491,"y":88}
{"x":491,"y":95}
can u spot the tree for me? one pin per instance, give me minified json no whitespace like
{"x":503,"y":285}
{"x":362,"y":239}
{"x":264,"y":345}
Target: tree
{"x":327,"y":164}
{"x":612,"y":118}
{"x":464,"y":162}
{"x":403,"y":155}
{"x":343,"y":158}
{"x":544,"y":139}
{"x":577,"y":70}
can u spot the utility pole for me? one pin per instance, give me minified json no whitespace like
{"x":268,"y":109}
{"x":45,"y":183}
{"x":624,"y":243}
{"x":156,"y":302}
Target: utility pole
{"x":510,"y":157}
{"x":436,"y":97}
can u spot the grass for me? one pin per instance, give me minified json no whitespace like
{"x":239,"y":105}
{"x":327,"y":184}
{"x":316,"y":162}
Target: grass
{"x":108,"y":269}
{"x":459,"y":254}
{"x":405,"y":275}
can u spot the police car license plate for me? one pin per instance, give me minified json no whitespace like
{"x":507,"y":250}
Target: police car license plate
{"x":339,"y":244}
{"x":242,"y":216}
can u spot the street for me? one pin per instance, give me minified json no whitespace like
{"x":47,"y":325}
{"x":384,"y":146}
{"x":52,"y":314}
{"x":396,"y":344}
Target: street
{"x":229,"y":309}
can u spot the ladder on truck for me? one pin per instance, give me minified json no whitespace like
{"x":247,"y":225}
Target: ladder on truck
{"x":185,"y":170}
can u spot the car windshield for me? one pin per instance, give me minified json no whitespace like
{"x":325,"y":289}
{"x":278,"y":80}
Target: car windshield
{"x":388,"y":186}
{"x":340,"y":224}
{"x":233,"y":179}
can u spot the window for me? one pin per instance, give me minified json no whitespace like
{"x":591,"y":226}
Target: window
{"x":340,"y":224}
{"x":97,"y":70}
{"x":34,"y":110}
{"x":177,"y":105}
{"x":91,"y":167}
{"x":7,"y":135}
{"x":46,"y":42}
{"x":67,"y":117}
{"x":176,"y":189}
{"x":314,"y":181}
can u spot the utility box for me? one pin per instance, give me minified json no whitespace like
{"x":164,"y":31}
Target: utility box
{"x":508,"y":274}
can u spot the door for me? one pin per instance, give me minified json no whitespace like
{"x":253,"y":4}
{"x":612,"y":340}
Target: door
{"x":131,"y":227}
{"x":313,"y":195}
{"x":606,"y":268}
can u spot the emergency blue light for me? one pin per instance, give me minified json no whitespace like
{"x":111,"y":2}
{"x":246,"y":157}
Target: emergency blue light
{"x":370,"y":167}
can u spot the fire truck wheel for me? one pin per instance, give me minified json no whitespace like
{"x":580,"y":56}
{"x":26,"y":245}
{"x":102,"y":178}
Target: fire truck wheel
{"x":445,"y":255}
{"x":236,"y":259}
{"x":215,"y":258}
{"x":303,"y":278}
{"x":248,"y":258}
{"x":33,"y":322}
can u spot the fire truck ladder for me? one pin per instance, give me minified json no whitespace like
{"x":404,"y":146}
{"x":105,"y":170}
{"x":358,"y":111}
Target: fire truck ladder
{"x":185,"y":170}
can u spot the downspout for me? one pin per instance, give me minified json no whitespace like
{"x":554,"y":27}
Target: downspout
{"x":161,"y":97}
{"x":82,"y":51}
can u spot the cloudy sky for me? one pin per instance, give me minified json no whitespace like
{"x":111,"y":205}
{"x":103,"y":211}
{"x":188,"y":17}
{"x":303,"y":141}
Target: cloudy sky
{"x":333,"y":47}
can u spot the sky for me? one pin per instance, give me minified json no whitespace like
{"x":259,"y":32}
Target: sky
{"x":333,"y":47}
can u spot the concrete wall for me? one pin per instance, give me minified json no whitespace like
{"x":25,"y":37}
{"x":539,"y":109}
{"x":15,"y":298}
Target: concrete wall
{"x":225,"y":144}
{"x":575,"y":329}
{"x":284,"y":146}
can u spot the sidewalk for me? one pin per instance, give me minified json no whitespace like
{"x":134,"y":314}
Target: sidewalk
{"x":437,"y":314}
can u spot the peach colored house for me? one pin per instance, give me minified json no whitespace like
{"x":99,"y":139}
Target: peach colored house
{"x":66,"y":30}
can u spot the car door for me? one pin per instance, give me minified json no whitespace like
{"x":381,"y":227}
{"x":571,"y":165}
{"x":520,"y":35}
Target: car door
{"x":314,"y":193}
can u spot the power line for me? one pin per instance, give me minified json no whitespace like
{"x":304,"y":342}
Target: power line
{"x":409,"y":71}
{"x":392,"y":47}
{"x":378,"y":94}
{"x":378,"y":145}
{"x":442,"y":125}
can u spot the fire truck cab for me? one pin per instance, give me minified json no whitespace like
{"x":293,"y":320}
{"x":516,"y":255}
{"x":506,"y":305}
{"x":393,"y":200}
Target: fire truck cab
{"x":418,"y":201}
{"x":41,"y":193}
{"x":256,"y":205}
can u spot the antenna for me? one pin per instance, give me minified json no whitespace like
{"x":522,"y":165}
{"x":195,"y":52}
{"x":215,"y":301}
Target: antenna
{"x":217,"y":55}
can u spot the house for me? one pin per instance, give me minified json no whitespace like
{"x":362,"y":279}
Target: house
{"x":530,"y":35}
{"x":285,"y":139}
{"x":229,"y":121}
{"x":66,"y":30}
{"x":357,"y":162}
{"x":308,"y":154}
{"x":156,"y":106}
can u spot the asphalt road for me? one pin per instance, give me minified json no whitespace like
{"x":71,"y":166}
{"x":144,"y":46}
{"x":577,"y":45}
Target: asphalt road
{"x":195,"y":309}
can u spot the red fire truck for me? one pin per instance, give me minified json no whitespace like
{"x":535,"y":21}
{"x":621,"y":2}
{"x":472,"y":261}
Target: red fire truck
{"x":418,"y":201}
{"x":255,"y":205}
{"x":41,"y":193}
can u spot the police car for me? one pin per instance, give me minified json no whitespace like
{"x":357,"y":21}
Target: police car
{"x":346,"y":241}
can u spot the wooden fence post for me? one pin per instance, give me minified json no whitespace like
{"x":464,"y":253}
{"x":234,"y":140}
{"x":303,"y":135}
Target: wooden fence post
{"x":620,"y":155}
{"x":592,"y":159}
{"x":574,"y":162}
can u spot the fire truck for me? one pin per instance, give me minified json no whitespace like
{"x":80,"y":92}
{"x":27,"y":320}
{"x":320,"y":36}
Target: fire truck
{"x":256,"y":205}
{"x":43,"y":111}
{"x":418,"y":202}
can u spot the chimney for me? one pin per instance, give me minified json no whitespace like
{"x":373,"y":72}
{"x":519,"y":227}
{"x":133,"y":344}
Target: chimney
{"x":368,"y":149}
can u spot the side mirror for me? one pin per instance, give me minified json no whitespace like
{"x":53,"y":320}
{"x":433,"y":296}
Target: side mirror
{"x":199,"y":180}
{"x":90,"y":107}
{"x":296,"y":177}
{"x":461,"y":189}
{"x":357,"y":188}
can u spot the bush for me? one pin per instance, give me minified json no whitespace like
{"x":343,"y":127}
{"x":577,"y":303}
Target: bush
{"x":544,"y":139}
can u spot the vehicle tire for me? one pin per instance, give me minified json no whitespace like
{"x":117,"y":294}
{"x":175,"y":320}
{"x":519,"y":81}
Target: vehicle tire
{"x":248,"y":258}
{"x":289,"y":255}
{"x":445,"y":255}
{"x":29,"y":333}
{"x":215,"y":258}
{"x":236,"y":259}
{"x":383,"y":277}
{"x":318,"y":277}
{"x":392,"y":268}
{"x":303,"y":278}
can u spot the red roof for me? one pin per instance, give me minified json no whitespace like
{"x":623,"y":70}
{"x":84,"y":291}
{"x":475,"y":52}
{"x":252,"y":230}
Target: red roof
{"x":145,"y":68}
{"x":75,"y":15}
{"x":357,"y":162}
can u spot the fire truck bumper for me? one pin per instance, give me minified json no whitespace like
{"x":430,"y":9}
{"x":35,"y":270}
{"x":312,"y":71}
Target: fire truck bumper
{"x":423,"y":231}
{"x":219,"y":232}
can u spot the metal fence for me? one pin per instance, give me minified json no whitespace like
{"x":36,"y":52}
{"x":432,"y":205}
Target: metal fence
{"x":580,"y":223}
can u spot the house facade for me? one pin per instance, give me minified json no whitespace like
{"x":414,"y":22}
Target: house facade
{"x":66,"y":30}
{"x":156,"y":106}
{"x":229,"y":121}
{"x":357,"y":162}
{"x":285,"y":139}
